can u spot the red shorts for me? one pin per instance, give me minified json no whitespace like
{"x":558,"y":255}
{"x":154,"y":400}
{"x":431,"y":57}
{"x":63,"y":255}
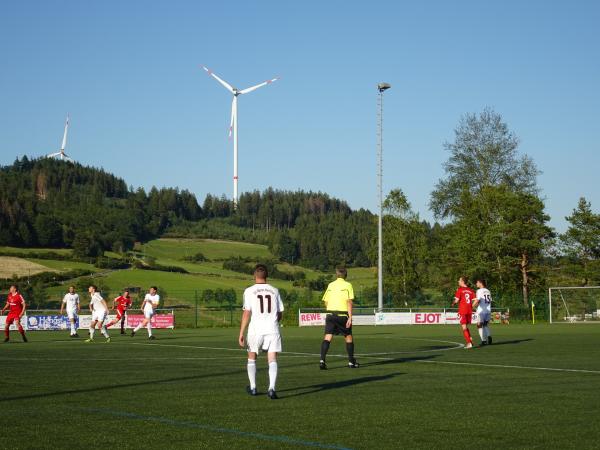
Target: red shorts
{"x":12,"y":318}
{"x":120,"y":313}
{"x":465,"y":319}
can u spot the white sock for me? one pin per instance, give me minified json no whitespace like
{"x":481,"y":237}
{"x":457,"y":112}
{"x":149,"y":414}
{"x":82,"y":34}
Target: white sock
{"x":149,"y":328}
{"x":252,"y":373}
{"x":104,"y":332}
{"x":272,"y":374}
{"x":91,"y":333}
{"x":73,"y":329}
{"x":481,"y":333}
{"x":136,"y":329}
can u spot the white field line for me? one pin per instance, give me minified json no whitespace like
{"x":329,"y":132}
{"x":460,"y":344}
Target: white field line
{"x":378,"y":356}
{"x":510,"y":366}
{"x":123,"y":359}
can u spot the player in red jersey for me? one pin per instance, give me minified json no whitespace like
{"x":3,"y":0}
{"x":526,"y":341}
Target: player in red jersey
{"x":121,"y":304}
{"x":464,"y":296}
{"x":15,"y":303}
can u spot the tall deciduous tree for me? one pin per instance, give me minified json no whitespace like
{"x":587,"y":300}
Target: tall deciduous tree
{"x":484,"y":153}
{"x":490,"y":192}
{"x":405,"y":247}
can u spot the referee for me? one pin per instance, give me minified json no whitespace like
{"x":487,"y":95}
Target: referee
{"x":338,"y":301}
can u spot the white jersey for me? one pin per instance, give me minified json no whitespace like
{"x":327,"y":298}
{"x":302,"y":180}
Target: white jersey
{"x":71,"y":301}
{"x":96,"y":302}
{"x":152,"y":302}
{"x":485,"y":300}
{"x":264,"y":301}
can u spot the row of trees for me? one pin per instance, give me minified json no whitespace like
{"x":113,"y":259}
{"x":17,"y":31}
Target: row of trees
{"x":495,"y":226}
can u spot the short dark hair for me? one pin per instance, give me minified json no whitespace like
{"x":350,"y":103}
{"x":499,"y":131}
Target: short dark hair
{"x":15,"y":286}
{"x":261,"y":271}
{"x":154,"y":287}
{"x":94,"y":286}
{"x":341,"y":272}
{"x":482,"y":281}
{"x":465,"y":279}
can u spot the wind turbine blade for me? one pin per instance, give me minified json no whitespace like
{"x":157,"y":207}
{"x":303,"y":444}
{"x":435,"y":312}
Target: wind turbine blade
{"x":64,"y":141}
{"x":223,"y":82}
{"x":253,"y":88}
{"x":52,"y":155}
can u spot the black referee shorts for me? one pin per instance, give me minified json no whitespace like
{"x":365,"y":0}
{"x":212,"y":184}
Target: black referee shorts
{"x":336,"y":324}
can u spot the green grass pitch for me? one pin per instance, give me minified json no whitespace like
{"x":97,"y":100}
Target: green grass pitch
{"x":536,"y":387}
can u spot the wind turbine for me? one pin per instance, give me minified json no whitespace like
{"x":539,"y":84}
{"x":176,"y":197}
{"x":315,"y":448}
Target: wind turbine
{"x":61,"y":153}
{"x":233,"y":124}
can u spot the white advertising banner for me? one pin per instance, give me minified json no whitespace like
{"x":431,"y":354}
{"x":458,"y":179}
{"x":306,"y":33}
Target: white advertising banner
{"x":317,"y":319}
{"x":393,"y":318}
{"x":308,"y":319}
{"x":419,"y":318}
{"x":363,"y":319}
{"x":86,"y":320}
{"x":13,"y":325}
{"x":311,"y":319}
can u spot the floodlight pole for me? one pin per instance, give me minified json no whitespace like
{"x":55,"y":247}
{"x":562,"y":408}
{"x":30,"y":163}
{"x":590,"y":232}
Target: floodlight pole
{"x":381,"y":88}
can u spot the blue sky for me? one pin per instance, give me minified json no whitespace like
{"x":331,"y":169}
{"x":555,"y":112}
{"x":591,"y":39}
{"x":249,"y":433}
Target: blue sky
{"x":129,"y":75}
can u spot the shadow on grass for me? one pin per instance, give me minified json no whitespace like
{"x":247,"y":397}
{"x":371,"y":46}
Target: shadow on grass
{"x":515,"y":341}
{"x":109,"y":387}
{"x":316,"y":388}
{"x":399,"y":360}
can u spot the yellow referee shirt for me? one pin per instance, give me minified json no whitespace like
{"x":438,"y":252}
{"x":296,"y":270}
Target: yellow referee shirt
{"x":337,"y":295}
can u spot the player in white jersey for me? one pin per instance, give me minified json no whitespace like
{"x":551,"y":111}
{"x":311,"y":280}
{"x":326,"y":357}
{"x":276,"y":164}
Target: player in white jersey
{"x":99,"y":310}
{"x":71,"y":301}
{"x":483,"y":303}
{"x":262,"y":313}
{"x":149,"y":305}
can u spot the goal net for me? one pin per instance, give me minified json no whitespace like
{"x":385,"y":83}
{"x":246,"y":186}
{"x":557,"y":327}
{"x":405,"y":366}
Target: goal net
{"x":574,"y":304}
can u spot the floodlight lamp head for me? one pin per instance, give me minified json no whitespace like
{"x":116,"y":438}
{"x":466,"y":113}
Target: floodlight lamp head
{"x":383,"y":86}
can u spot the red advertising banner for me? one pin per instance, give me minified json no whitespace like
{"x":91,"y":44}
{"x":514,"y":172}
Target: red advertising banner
{"x":157,"y":321}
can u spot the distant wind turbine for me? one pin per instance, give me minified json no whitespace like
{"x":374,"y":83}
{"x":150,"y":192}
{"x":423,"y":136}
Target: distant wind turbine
{"x":233,"y":124}
{"x":61,"y":153}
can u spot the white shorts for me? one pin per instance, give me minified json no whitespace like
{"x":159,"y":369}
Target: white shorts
{"x":100,"y":315}
{"x":484,"y":316}
{"x":72,"y":314}
{"x":267,"y":342}
{"x":148,"y":313}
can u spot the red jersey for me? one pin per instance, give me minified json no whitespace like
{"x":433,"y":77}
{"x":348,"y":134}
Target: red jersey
{"x":123,"y":302}
{"x":16,"y":303}
{"x":465,"y":298}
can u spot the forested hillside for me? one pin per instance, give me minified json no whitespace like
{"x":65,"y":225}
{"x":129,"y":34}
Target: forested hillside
{"x":51,"y":203}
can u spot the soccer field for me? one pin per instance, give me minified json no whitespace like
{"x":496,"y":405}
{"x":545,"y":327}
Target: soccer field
{"x":536,"y":387}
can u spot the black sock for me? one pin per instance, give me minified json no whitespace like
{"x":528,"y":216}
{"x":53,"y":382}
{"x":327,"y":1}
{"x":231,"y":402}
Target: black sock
{"x":324,"y":349}
{"x":350,"y":350}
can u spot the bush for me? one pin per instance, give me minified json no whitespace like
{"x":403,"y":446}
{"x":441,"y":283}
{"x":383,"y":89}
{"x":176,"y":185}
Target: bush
{"x":242,"y":265}
{"x":111,"y":263}
{"x":141,"y":265}
{"x":50,"y":278}
{"x":198,"y":257}
{"x":319,"y":284}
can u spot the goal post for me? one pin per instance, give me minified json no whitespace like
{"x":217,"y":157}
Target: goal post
{"x":569,"y":304}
